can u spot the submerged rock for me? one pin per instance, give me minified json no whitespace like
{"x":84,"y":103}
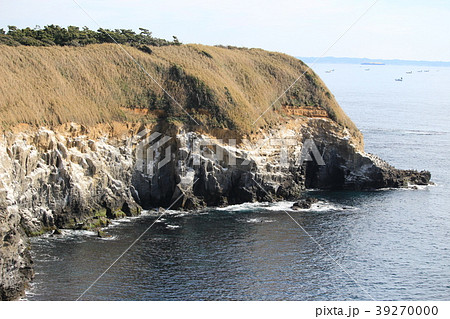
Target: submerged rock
{"x":102,"y":234}
{"x":305,"y":203}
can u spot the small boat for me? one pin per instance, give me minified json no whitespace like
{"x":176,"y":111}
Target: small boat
{"x":426,"y":71}
{"x":399,"y":80}
{"x":366,"y":69}
{"x":409,"y":72}
{"x":420,"y":71}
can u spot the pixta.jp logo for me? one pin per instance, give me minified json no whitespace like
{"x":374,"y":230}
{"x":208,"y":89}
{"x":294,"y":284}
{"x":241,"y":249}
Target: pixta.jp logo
{"x":154,"y":152}
{"x":148,"y":155}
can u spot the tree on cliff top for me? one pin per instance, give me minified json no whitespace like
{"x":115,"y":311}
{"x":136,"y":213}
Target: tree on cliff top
{"x":74,"y":36}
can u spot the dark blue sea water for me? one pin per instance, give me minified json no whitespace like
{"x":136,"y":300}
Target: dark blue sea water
{"x":388,"y":245}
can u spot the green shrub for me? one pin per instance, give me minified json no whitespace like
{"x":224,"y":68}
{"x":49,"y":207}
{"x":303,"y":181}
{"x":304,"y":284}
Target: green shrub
{"x":74,"y":36}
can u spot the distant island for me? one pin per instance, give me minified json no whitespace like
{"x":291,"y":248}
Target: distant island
{"x":373,"y":63}
{"x":366,"y":61}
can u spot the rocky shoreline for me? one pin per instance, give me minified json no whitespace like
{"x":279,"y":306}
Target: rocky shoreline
{"x":79,"y":178}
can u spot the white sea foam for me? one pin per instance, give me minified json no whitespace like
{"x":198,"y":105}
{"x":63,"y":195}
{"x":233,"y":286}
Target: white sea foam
{"x":47,"y":258}
{"x":77,"y":232}
{"x":320,"y":206}
{"x":417,"y":187}
{"x":180,"y":215}
{"x":325,"y":206}
{"x":129,"y":219}
{"x":147,"y":213}
{"x":277,"y":206}
{"x":159,"y":212}
{"x":239,"y":207}
{"x":408,"y":188}
{"x":30,"y":292}
{"x":124,"y":220}
{"x":108,"y":238}
{"x":259,"y":220}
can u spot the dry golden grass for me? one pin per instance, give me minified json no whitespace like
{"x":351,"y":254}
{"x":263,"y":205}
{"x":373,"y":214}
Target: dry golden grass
{"x":98,"y":83}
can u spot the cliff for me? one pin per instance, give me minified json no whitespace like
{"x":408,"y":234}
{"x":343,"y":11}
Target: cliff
{"x":219,"y":87}
{"x":88,"y":136}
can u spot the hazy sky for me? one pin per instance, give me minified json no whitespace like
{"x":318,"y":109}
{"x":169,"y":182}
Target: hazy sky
{"x":404,"y":29}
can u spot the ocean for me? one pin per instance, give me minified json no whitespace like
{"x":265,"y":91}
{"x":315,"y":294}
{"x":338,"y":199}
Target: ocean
{"x":382,"y":245}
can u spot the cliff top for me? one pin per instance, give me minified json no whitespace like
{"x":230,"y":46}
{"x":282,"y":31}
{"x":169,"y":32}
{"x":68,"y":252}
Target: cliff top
{"x":219,"y":87}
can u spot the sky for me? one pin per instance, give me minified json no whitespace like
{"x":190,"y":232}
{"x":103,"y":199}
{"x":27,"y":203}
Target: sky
{"x":391,"y":29}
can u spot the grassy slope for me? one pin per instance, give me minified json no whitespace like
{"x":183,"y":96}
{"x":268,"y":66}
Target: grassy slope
{"x":221,"y":87}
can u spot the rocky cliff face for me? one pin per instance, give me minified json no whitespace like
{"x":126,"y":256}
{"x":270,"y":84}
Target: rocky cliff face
{"x":279,"y":164}
{"x":79,"y":178}
{"x":52,"y":180}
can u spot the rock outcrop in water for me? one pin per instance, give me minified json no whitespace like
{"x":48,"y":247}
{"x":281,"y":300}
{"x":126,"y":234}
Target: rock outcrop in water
{"x":81,"y":176}
{"x":305,"y":203}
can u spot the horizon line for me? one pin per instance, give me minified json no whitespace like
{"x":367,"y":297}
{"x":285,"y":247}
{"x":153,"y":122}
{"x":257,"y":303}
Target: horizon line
{"x":373,"y":59}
